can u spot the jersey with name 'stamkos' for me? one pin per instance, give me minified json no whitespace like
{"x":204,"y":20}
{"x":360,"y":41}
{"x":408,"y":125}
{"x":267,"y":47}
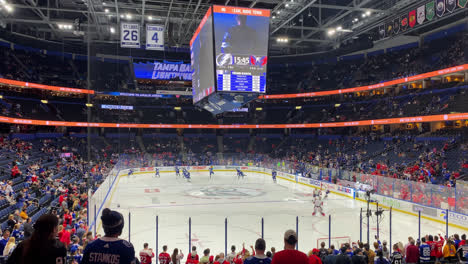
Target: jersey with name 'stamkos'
{"x":108,"y":250}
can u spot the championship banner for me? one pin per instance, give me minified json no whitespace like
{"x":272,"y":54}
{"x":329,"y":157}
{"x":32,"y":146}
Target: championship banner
{"x":382,"y":31}
{"x":412,"y":18}
{"x":462,"y":3}
{"x":404,"y":22}
{"x":430,"y":10}
{"x":130,"y":35}
{"x":396,"y":25}
{"x":440,"y":8}
{"x":421,"y":14}
{"x":154,"y":37}
{"x":389,"y":29}
{"x":450,"y":5}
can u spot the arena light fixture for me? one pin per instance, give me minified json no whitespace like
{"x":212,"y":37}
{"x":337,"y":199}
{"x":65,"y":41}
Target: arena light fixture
{"x":298,"y":107}
{"x":286,"y":5}
{"x":8,"y":8}
{"x":337,"y":105}
{"x":44,"y":101}
{"x":89,"y":105}
{"x":364,"y":15}
{"x":331,"y":32}
{"x":150,"y":18}
{"x":112,"y":30}
{"x":1,"y":96}
{"x":128,"y":16}
{"x":177,"y":108}
{"x":368,"y":13}
{"x":122,"y":16}
{"x":106,"y":10}
{"x":339,"y":28}
{"x":258,"y":109}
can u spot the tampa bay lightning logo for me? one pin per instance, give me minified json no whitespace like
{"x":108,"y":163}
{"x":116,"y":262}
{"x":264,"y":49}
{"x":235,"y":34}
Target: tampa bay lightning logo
{"x":224,"y":59}
{"x":258,"y":61}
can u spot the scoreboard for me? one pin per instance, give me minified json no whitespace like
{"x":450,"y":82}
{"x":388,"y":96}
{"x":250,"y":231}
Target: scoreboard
{"x":239,"y":54}
{"x":241,"y":45}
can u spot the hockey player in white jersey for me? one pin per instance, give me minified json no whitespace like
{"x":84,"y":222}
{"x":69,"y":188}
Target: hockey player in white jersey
{"x":318,"y":205}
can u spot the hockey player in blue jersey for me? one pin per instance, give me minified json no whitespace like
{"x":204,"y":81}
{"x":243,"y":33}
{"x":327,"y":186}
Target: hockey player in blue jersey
{"x":273,"y":175}
{"x":110,"y":248}
{"x":239,"y":173}
{"x":186,"y":174}
{"x":177,"y":172}
{"x":130,"y":172}
{"x":211,"y":171}
{"x":157,"y":175}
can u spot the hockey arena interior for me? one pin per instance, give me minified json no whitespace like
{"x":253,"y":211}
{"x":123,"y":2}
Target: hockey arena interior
{"x":234,"y":131}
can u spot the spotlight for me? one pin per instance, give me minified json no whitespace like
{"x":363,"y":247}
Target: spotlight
{"x":106,"y":10}
{"x":128,"y":16}
{"x":368,"y":13}
{"x":112,"y":30}
{"x":331,"y":32}
{"x":339,"y":28}
{"x":286,"y":5}
{"x":150,"y":18}
{"x":363,"y":15}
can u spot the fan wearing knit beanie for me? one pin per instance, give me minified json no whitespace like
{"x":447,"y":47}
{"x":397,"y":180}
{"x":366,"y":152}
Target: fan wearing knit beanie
{"x":110,"y":249}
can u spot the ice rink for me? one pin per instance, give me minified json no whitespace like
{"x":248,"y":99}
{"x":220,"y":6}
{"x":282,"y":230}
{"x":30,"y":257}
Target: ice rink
{"x":208,"y":202}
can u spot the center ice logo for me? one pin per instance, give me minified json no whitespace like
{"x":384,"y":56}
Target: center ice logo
{"x":217,"y":192}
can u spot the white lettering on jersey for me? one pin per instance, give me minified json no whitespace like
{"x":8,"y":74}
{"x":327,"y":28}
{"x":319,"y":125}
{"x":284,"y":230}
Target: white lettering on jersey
{"x":104,"y":258}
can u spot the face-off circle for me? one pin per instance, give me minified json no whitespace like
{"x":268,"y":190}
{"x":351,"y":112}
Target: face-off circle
{"x":219,"y":192}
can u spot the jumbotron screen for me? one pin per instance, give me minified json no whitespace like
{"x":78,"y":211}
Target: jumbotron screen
{"x":201,"y":53}
{"x":241,"y":48}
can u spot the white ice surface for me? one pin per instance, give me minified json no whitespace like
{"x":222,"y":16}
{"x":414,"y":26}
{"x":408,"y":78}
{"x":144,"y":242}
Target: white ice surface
{"x":244,"y":203}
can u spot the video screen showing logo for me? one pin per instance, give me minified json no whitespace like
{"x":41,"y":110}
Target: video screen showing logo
{"x":224,"y":59}
{"x":258,"y":60}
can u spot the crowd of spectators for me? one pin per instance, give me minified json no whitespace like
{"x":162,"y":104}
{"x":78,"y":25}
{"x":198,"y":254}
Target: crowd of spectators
{"x":36,"y":180}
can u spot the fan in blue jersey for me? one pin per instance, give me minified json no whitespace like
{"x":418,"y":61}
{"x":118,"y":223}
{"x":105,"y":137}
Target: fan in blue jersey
{"x":211,"y":171}
{"x":177,"y":172}
{"x":130,"y":172}
{"x":240,"y":173}
{"x":157,"y":173}
{"x":273,"y":176}
{"x":110,"y":248}
{"x":424,"y":251}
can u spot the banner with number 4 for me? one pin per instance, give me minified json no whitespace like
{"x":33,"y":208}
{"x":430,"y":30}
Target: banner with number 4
{"x":154,"y":37}
{"x":130,"y":35}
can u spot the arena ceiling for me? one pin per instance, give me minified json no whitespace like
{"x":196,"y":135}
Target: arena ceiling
{"x":306,"y":24}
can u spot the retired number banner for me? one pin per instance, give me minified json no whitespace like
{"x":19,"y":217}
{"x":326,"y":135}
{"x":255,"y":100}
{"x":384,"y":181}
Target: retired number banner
{"x":154,"y":37}
{"x":130,"y":35}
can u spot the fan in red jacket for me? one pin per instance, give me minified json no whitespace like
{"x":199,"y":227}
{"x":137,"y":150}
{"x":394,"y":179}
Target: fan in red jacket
{"x":15,"y":171}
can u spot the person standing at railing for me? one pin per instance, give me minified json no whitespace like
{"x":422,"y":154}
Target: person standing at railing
{"x":110,"y":247}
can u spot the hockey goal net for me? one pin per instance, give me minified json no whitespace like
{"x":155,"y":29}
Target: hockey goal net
{"x":338,"y":242}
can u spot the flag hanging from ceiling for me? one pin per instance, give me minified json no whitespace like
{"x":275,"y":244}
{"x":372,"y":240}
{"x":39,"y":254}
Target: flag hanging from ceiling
{"x":382,"y":31}
{"x":396,"y":25}
{"x":440,"y":8}
{"x":430,"y":10}
{"x":389,"y":29}
{"x":404,"y":23}
{"x":421,"y":14}
{"x":412,"y":18}
{"x":450,"y":5}
{"x":462,"y":3}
